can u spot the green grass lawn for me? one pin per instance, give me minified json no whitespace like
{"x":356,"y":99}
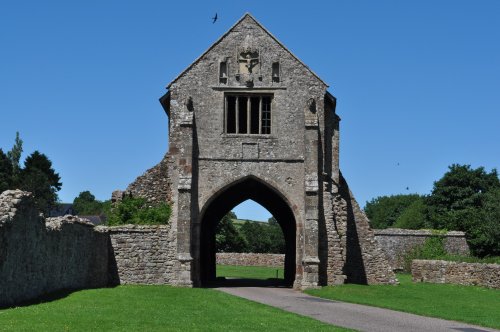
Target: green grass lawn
{"x":470,"y":304}
{"x":249,"y":272}
{"x":154,"y":308}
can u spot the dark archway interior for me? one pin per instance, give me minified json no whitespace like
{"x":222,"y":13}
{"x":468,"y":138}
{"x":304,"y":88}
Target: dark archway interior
{"x":250,"y":188}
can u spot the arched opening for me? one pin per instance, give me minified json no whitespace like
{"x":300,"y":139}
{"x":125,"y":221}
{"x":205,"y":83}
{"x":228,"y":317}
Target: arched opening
{"x":250,"y":246}
{"x":224,"y":201}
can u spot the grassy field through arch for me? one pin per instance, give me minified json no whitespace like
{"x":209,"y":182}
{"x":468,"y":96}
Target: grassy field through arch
{"x":250,"y":272}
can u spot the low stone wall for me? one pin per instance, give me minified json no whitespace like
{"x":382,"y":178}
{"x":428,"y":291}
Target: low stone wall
{"x":250,"y":259}
{"x":39,"y":256}
{"x":142,"y":254}
{"x":469,"y":274}
{"x":396,"y":242}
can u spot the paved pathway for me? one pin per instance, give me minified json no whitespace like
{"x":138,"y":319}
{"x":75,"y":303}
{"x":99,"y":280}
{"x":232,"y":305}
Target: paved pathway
{"x":354,"y":316}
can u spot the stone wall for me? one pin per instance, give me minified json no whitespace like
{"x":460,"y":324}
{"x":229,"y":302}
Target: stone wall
{"x":397,"y":242}
{"x":142,"y":254}
{"x":154,"y":184}
{"x":469,"y":274}
{"x":250,"y":259}
{"x":365,"y":261}
{"x":39,"y":256}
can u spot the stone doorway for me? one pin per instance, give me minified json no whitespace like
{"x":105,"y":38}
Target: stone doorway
{"x":222,"y":202}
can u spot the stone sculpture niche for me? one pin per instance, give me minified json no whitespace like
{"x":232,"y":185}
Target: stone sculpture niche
{"x":248,"y":56}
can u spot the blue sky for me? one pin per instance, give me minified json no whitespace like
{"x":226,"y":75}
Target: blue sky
{"x":417,"y":83}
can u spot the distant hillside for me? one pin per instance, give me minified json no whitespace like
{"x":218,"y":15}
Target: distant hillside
{"x":239,"y":222}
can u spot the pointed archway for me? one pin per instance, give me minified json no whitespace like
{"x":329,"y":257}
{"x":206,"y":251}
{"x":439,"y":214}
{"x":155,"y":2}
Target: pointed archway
{"x":227,"y":198}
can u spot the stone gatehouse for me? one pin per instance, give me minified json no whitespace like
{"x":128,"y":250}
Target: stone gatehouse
{"x":249,"y":120}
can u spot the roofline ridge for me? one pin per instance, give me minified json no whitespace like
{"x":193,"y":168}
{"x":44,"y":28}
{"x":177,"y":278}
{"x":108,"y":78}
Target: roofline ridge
{"x":227,"y":32}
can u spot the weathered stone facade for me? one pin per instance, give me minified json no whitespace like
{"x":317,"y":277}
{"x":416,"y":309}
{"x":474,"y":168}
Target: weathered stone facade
{"x":155,"y":177}
{"x":468,"y":274}
{"x":142,"y":254}
{"x":248,"y":120}
{"x":250,"y":259}
{"x":39,"y":256}
{"x":397,"y":242}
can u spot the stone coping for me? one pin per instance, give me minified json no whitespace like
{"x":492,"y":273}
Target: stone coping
{"x":415,"y":232}
{"x":133,"y":228}
{"x":443,"y":262}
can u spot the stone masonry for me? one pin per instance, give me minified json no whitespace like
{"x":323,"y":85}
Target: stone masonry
{"x":250,"y":259}
{"x":39,"y":256}
{"x":249,"y":120}
{"x":141,"y":254}
{"x":397,"y":242}
{"x":468,"y":274}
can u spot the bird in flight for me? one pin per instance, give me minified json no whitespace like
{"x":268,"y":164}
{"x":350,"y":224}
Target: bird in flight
{"x":214,"y":18}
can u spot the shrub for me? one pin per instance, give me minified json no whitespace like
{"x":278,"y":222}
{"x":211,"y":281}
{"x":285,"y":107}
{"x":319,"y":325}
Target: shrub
{"x":136,"y":211}
{"x":432,"y":248}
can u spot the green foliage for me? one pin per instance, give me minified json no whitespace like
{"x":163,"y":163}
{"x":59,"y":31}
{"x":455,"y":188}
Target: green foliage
{"x":276,"y":237}
{"x":464,"y":199}
{"x":5,"y":172}
{"x":468,"y":200}
{"x":414,"y":216}
{"x":86,"y":204}
{"x":462,"y":187}
{"x":39,"y":178}
{"x":249,"y":236}
{"x":227,"y":237}
{"x":263,"y":237}
{"x":432,"y":248}
{"x":136,"y":211}
{"x":483,"y":226}
{"x":470,"y":304}
{"x":384,"y":211}
{"x":257,"y":237}
{"x":14,"y":155}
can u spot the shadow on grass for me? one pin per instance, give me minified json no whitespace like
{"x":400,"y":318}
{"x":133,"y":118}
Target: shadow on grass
{"x":52,"y":296}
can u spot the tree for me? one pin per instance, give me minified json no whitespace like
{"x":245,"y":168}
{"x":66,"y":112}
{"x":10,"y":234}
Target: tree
{"x":257,"y":237}
{"x":414,"y":216}
{"x":227,"y":237}
{"x":14,"y":156}
{"x":460,"y":188}
{"x":383,"y":211}
{"x":86,"y":204}
{"x":464,"y":199}
{"x":276,"y":237}
{"x":485,"y":237}
{"x":41,"y":180}
{"x":5,"y":172}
